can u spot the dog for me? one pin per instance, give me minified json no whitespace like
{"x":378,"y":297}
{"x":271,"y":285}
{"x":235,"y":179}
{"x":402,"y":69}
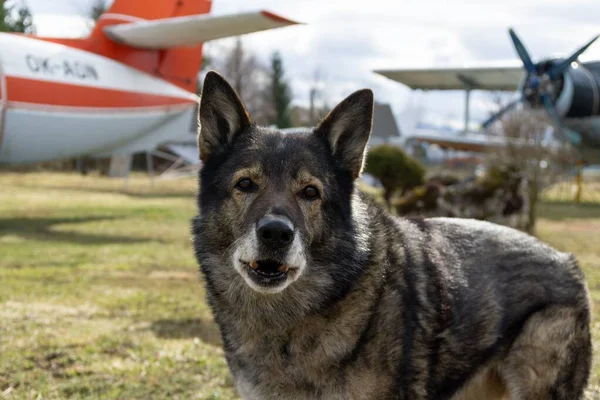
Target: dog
{"x":321,"y":294}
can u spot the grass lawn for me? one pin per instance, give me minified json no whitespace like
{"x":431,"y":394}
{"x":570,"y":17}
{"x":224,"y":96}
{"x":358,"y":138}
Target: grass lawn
{"x":100,"y":295}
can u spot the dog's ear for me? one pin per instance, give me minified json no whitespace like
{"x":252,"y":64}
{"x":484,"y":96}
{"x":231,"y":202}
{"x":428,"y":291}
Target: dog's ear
{"x":347,"y":129}
{"x":221,"y":116}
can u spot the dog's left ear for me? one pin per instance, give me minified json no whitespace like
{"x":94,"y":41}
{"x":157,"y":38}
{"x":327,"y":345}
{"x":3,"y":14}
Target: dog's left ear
{"x":347,"y":129}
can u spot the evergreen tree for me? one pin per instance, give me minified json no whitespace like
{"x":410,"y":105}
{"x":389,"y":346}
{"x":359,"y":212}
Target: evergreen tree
{"x":98,"y":9}
{"x":280,"y":92}
{"x":15,"y":17}
{"x":5,"y":17}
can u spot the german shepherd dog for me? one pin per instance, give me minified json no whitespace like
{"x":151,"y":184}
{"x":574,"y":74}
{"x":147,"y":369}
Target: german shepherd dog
{"x":320,"y":294}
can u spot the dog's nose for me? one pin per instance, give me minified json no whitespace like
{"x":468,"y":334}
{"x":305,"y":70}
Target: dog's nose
{"x":275,"y":232}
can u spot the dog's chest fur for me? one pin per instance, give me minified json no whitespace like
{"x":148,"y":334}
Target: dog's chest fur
{"x":312,"y":359}
{"x":338,"y":354}
{"x":308,"y":363}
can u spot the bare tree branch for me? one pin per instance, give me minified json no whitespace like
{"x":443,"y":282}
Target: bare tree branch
{"x":531,"y":149}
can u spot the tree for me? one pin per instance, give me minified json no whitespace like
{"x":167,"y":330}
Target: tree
{"x":15,"y":17}
{"x":317,"y":96}
{"x":239,"y":67}
{"x":395,"y":169}
{"x":98,"y":8}
{"x":207,"y":65}
{"x":280,"y":93}
{"x":247,"y":76}
{"x":5,"y":17}
{"x":314,"y":92}
{"x":529,"y":148}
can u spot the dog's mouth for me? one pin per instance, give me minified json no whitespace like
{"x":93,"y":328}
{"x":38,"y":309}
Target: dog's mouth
{"x":267,"y":272}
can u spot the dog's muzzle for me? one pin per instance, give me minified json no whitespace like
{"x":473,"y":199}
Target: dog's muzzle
{"x":271,"y":256}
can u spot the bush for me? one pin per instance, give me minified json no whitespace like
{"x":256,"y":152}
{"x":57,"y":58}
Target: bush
{"x":443,"y":179}
{"x":499,"y":196}
{"x":395,"y":169}
{"x":420,"y":199}
{"x":497,"y":177}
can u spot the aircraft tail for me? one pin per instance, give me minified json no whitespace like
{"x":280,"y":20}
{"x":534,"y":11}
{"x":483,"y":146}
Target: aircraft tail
{"x":178,"y":65}
{"x":165,"y":39}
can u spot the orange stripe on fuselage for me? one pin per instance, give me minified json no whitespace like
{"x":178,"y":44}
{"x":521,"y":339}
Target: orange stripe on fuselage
{"x":60,"y":94}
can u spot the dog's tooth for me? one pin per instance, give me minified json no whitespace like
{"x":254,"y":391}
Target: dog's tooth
{"x":283,"y":268}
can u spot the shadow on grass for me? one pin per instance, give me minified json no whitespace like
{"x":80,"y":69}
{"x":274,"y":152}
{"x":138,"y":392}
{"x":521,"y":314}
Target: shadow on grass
{"x":167,"y":193}
{"x":207,"y":331}
{"x":41,"y":229}
{"x":560,"y":211}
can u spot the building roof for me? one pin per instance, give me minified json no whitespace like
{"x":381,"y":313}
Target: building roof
{"x":384,"y":122}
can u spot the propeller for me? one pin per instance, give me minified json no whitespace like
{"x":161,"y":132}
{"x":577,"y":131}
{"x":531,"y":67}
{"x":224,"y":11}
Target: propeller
{"x":541,"y":84}
{"x":503,"y":111}
{"x":571,"y":136}
{"x":522,"y":52}
{"x":561,"y":67}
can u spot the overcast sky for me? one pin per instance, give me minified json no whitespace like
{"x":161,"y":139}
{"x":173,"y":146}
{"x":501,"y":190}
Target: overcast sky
{"x":347,"y":39}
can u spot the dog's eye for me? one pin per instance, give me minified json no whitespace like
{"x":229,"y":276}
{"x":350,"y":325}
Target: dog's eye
{"x":310,"y":193}
{"x":245,"y":185}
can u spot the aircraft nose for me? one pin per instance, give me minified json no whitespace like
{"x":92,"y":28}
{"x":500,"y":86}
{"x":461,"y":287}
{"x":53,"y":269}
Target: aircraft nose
{"x":275,"y":232}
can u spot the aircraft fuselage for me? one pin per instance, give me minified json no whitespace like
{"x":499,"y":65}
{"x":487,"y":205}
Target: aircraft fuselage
{"x":58,"y":102}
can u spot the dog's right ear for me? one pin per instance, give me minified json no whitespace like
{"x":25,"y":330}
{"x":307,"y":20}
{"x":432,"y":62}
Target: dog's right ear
{"x":222,"y":115}
{"x":347,"y":129}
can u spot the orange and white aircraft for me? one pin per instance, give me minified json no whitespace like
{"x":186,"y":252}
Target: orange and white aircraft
{"x":126,"y":88}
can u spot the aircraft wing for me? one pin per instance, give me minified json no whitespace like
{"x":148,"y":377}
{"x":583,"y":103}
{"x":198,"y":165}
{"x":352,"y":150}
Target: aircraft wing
{"x":478,"y":143}
{"x":484,"y":78}
{"x":193,"y":29}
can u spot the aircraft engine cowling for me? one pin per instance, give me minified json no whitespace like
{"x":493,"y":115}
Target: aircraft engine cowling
{"x":575,"y":93}
{"x":562,"y":86}
{"x":580,"y":95}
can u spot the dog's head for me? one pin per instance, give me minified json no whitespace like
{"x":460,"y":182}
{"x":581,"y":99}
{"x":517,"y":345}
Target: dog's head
{"x":279,"y":208}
